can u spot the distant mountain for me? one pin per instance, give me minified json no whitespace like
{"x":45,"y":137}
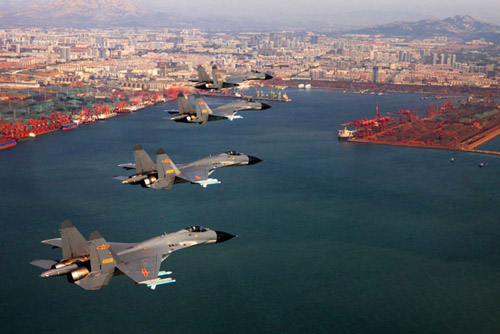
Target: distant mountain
{"x":74,"y":13}
{"x":459,"y":26}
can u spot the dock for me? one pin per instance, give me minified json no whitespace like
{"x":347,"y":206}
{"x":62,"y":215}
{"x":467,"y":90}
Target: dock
{"x":446,"y":127}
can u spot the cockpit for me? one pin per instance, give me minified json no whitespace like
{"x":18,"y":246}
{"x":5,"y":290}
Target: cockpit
{"x":196,"y":229}
{"x":233,"y":153}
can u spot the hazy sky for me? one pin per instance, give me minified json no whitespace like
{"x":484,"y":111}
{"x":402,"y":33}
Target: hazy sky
{"x":331,"y":11}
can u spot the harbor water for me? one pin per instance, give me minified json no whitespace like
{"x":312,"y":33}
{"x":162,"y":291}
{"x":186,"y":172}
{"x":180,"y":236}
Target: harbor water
{"x":333,"y":237}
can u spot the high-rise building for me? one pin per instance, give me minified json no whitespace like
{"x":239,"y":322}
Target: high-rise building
{"x":375,"y":74}
{"x":434,"y":59}
{"x":103,"y":53}
{"x":65,"y":53}
{"x":448,"y":60}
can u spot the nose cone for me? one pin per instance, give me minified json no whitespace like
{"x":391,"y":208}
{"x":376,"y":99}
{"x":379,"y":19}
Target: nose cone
{"x":264,"y":106}
{"x":223,"y":236}
{"x":253,"y":160}
{"x":268,"y":77}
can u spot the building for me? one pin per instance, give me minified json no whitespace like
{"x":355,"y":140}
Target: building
{"x":375,"y":74}
{"x":65,"y":53}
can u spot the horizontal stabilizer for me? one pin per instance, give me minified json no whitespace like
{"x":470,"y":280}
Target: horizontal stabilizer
{"x":55,"y":243}
{"x":120,"y":178}
{"x":44,"y":264}
{"x":127,"y":166}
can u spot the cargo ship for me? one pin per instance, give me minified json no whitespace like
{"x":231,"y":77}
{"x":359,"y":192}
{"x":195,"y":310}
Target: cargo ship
{"x":345,"y":135}
{"x":69,"y":126}
{"x":106,"y":116}
{"x":90,"y":120}
{"x":6,"y":143}
{"x":123,"y":112}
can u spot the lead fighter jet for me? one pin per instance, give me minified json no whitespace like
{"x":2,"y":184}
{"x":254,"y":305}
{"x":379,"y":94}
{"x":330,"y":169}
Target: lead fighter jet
{"x":165,"y":173}
{"x":92,"y":263}
{"x":204,"y":113}
{"x":218,"y":82}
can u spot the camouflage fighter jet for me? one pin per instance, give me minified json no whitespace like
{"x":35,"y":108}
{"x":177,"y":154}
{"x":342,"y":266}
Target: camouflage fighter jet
{"x":218,"y":82}
{"x":204,"y":113}
{"x":92,"y":263}
{"x":164,"y":174}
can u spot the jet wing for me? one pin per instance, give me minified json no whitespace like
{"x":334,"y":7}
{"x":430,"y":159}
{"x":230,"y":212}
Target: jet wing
{"x":143,"y":269}
{"x":198,"y":175}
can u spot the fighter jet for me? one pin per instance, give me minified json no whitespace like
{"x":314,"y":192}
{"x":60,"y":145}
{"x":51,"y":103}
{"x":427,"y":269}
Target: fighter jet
{"x":91,"y":264}
{"x":204,"y":113}
{"x":218,"y":82}
{"x":164,"y":174}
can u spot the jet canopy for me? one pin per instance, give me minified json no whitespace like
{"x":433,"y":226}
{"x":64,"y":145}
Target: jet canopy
{"x":196,"y":229}
{"x":233,"y":153}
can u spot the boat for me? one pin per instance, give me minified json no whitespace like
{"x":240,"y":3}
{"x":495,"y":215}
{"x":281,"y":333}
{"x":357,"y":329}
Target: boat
{"x":274,"y":94}
{"x":308,"y":86}
{"x":301,"y":86}
{"x":78,"y":119}
{"x":124,"y":112}
{"x":69,"y":126}
{"x":136,"y":107}
{"x":345,"y":135}
{"x":106,"y":116}
{"x":90,"y":119}
{"x":6,"y":143}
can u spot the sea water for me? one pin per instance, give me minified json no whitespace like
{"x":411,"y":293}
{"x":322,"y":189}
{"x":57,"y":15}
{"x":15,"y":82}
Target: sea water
{"x":332,"y":237}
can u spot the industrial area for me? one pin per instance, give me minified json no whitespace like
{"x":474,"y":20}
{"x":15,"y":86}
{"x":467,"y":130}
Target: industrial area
{"x":27,"y":113}
{"x":463,"y":126}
